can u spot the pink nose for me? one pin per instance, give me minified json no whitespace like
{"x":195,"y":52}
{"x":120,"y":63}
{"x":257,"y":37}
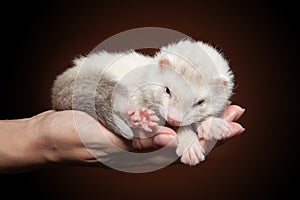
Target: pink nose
{"x":173,"y":121}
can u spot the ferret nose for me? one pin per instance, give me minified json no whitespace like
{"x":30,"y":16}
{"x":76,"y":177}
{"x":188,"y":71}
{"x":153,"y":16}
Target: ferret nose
{"x":173,"y":121}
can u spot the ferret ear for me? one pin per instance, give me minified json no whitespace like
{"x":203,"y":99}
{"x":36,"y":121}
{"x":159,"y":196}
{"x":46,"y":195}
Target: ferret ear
{"x":166,"y":61}
{"x":221,"y":80}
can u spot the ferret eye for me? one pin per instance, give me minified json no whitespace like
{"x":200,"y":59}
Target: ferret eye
{"x":167,"y":90}
{"x":199,"y":103}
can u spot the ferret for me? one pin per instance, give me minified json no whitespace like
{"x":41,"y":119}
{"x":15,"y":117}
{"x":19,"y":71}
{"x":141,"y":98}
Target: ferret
{"x":206,"y":68}
{"x":186,"y":85}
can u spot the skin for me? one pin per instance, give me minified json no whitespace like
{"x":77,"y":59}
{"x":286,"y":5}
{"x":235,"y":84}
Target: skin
{"x":51,"y":138}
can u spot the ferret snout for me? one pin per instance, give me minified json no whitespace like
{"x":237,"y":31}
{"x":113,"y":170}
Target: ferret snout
{"x":173,"y":116}
{"x":173,"y":122}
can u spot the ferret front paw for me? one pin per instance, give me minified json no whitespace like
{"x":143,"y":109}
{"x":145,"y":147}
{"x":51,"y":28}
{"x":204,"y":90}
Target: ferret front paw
{"x":143,"y":118}
{"x":214,"y":128}
{"x":192,"y":154}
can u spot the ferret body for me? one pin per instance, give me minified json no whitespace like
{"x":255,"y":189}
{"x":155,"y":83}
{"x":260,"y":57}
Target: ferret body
{"x":97,"y":85}
{"x":125,"y":91}
{"x":129,"y":91}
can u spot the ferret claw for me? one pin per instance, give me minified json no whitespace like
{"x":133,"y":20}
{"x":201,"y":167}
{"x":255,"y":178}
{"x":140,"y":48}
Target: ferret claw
{"x":130,"y":112}
{"x":137,"y":123}
{"x":153,"y":124}
{"x":143,"y":118}
{"x":154,"y":118}
{"x":151,"y":112}
{"x":146,"y":128}
{"x":192,"y":154}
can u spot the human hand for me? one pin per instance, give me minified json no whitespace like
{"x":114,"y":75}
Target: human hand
{"x":230,"y":114}
{"x":65,"y":137}
{"x":92,"y":142}
{"x":76,"y":138}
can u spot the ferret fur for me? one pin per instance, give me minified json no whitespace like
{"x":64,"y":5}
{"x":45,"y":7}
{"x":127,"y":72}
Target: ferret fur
{"x":196,"y":74}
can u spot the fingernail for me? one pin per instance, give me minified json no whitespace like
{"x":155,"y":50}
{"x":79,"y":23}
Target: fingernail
{"x":242,"y":130}
{"x":230,"y":116}
{"x":243,"y":110}
{"x":240,"y":114}
{"x":163,"y":139}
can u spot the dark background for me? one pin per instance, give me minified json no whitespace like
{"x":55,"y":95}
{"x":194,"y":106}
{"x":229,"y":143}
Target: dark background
{"x":39,"y":40}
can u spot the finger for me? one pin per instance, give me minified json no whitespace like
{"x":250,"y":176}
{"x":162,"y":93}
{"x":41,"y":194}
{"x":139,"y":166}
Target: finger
{"x":157,"y":141}
{"x":110,"y":137}
{"x":232,"y":113}
{"x":162,"y":140}
{"x":164,"y":130}
{"x":142,"y":143}
{"x":236,"y":129}
{"x":163,"y":137}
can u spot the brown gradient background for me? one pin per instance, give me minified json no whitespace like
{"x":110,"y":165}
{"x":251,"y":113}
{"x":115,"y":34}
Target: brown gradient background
{"x":259,"y":40}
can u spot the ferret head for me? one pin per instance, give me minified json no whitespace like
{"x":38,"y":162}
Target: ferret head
{"x":196,"y":82}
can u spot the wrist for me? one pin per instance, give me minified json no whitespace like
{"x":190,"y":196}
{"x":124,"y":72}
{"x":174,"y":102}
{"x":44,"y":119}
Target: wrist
{"x":43,"y":140}
{"x":58,"y":140}
{"x":18,"y":151}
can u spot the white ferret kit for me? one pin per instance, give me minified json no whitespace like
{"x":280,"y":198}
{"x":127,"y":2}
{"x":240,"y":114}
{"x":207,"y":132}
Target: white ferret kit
{"x":185,"y":85}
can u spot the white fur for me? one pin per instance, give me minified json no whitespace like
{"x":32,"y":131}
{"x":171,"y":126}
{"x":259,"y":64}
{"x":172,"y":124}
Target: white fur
{"x":193,"y":71}
{"x":189,"y":148}
{"x":211,"y":80}
{"x":205,"y":68}
{"x":115,"y":64}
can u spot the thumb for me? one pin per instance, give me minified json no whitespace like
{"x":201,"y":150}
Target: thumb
{"x":163,"y":136}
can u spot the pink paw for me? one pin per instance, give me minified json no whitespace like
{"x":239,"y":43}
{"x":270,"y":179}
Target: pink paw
{"x":214,"y":128}
{"x":143,"y":118}
{"x":191,"y":155}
